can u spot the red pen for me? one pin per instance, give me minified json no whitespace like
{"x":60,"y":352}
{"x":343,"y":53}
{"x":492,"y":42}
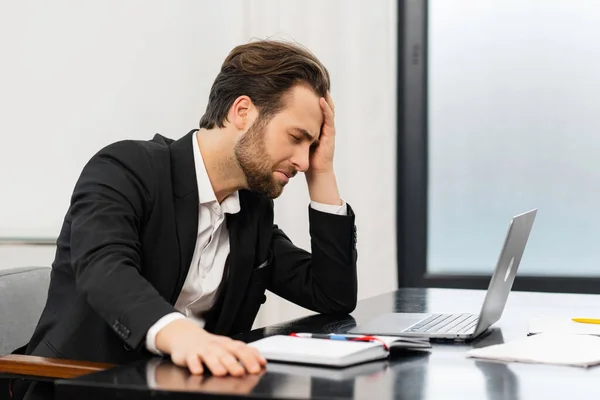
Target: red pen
{"x":337,"y":336}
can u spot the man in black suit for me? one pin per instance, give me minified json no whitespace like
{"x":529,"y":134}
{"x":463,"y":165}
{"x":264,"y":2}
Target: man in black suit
{"x":169,"y":245}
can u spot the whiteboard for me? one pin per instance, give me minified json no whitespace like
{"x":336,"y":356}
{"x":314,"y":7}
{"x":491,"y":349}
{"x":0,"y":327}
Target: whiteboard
{"x":76,"y":76}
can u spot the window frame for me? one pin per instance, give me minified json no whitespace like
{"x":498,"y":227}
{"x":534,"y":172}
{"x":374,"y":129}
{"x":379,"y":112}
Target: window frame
{"x":412,"y":172}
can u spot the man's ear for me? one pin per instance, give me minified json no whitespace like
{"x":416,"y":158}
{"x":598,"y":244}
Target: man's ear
{"x":242,"y":113}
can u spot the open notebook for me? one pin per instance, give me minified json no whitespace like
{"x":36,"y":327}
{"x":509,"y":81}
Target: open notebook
{"x":545,"y":348}
{"x":334,"y":353}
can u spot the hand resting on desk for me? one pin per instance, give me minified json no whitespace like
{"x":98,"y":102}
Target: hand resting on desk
{"x":190,"y":346}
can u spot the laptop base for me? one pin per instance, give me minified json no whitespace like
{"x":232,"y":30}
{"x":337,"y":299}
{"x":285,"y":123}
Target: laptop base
{"x":404,"y":324}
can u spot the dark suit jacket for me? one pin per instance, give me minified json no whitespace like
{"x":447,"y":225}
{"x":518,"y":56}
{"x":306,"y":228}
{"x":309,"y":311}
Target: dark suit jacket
{"x":127,"y":242}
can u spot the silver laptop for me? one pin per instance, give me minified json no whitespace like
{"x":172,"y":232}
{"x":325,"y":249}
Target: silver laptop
{"x":464,"y":326}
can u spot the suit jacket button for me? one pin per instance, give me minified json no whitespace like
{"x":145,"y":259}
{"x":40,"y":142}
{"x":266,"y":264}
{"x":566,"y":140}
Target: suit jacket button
{"x":264,"y":299}
{"x":126,"y":347}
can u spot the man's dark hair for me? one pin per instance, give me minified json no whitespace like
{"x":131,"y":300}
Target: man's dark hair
{"x":264,"y":71}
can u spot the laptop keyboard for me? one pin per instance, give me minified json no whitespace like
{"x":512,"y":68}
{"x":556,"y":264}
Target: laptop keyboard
{"x":445,"y":323}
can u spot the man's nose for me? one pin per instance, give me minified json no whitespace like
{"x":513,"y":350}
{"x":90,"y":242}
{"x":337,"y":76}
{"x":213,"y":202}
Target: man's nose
{"x":301,"y":160}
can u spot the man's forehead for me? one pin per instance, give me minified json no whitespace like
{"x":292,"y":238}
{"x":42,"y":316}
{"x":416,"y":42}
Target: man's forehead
{"x":303,"y":111}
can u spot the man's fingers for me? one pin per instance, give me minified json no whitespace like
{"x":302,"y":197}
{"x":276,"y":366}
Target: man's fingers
{"x":247,"y":356}
{"x":194,"y":364}
{"x":261,"y":359}
{"x":222,"y":356}
{"x":326,"y":107}
{"x":327,"y":112}
{"x":231,"y":363}
{"x":330,"y":102}
{"x":179,"y":359}
{"x":213,"y":363}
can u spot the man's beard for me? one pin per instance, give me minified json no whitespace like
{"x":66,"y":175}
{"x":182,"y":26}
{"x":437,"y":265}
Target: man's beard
{"x":251,"y":154}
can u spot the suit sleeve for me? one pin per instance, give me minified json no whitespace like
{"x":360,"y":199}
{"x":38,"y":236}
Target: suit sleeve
{"x":324,"y":280}
{"x":108,"y":206}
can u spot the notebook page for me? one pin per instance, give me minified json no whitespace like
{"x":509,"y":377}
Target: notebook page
{"x":545,"y":348}
{"x":561,"y":325}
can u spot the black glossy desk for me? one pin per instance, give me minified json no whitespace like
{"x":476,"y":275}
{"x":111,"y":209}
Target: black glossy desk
{"x":443,"y":373}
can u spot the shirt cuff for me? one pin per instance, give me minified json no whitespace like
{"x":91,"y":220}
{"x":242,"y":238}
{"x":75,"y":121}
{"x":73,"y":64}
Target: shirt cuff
{"x":330,"y":208}
{"x":154,"y":329}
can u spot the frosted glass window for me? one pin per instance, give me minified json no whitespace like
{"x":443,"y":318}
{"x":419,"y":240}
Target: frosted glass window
{"x":514,"y":124}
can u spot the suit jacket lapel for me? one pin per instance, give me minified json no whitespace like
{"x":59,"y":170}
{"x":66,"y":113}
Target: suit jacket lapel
{"x":185,"y":190}
{"x":240,"y":263}
{"x":241,"y":227}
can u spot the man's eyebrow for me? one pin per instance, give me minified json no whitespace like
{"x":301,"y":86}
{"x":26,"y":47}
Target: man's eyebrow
{"x":307,"y":136}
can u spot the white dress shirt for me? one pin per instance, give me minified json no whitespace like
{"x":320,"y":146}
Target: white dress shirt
{"x":204,"y":277}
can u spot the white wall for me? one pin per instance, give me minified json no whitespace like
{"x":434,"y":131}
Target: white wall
{"x":514,"y":89}
{"x":357,"y":43}
{"x":78,"y":75}
{"x":12,"y":256}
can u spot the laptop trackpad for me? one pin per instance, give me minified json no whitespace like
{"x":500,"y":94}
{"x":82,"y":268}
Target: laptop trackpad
{"x":389,"y":324}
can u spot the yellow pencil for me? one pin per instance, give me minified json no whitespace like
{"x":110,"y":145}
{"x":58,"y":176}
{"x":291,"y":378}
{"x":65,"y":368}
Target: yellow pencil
{"x":587,"y":320}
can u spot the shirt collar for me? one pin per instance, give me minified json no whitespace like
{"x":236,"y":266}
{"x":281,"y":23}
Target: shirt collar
{"x":206,"y":194}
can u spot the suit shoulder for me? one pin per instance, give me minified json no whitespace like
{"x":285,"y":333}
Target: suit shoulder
{"x":136,"y":155}
{"x":136,"y":159}
{"x":134,"y":148}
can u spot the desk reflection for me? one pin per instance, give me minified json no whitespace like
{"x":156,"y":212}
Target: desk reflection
{"x":501,"y":382}
{"x":489,"y":338}
{"x":301,"y":381}
{"x":165,"y":376}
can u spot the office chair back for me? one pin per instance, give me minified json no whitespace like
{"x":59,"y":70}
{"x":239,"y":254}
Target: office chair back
{"x":23,"y":293}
